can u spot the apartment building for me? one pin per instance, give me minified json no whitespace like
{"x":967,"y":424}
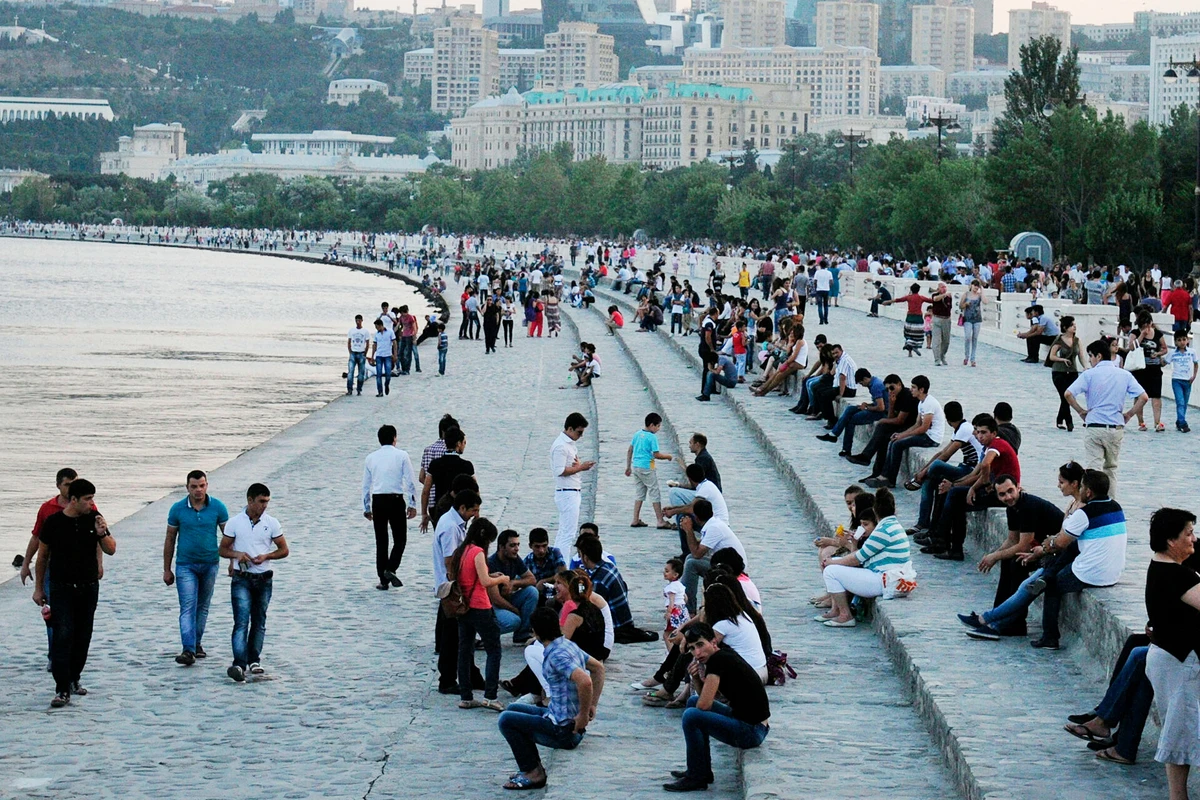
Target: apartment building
{"x":1027,"y":24}
{"x":943,"y":36}
{"x":466,"y":64}
{"x":848,"y":23}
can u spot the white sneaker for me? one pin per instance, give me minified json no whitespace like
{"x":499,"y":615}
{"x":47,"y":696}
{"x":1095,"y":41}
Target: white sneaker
{"x":256,"y":669}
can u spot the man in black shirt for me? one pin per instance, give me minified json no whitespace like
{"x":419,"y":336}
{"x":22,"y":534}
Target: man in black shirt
{"x":442,"y":471}
{"x":698,"y":444}
{"x":743,"y":723}
{"x":1030,"y":520}
{"x":1003,"y":413}
{"x":70,"y":539}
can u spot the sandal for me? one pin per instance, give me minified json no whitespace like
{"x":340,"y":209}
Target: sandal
{"x":642,"y":686}
{"x":465,"y":704}
{"x":666,"y":526}
{"x":1141,"y":426}
{"x":679,"y":702}
{"x":494,"y":705}
{"x":912,"y":484}
{"x":654,"y":700}
{"x":520,"y":783}
{"x":1111,"y":755}
{"x":639,"y":524}
{"x":1082,"y":732}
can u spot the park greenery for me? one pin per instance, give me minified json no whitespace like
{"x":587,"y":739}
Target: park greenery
{"x":1099,"y":190}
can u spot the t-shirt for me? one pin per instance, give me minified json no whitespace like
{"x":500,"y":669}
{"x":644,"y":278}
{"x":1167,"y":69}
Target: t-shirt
{"x":1100,"y":528}
{"x":645,"y":445}
{"x":618,"y":319}
{"x":468,"y":579}
{"x":743,"y":689}
{"x":742,"y":637}
{"x":197,"y":542}
{"x":876,"y":388}
{"x":823,"y":279}
{"x":705,"y":460}
{"x":444,"y":469}
{"x":513,"y":569}
{"x":1036,"y":515}
{"x":254,"y":538}
{"x":1005,"y":462}
{"x":971,"y":448}
{"x":72,"y":542}
{"x":717,"y":535}
{"x":937,"y":428}
{"x":905,"y":402}
{"x":383,"y":343}
{"x":1176,"y":624}
{"x":358,"y":339}
{"x":709,"y":491}
{"x":1048,"y":323}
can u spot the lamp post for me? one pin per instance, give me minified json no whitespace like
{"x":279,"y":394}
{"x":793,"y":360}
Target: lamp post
{"x":1191,"y":73}
{"x":796,"y":151}
{"x":851,"y":140}
{"x":943,"y":122}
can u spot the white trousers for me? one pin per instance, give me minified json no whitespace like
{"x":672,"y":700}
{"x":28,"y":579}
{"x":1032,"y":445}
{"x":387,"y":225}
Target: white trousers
{"x":535,"y":653}
{"x":568,"y":521}
{"x":856,"y":580}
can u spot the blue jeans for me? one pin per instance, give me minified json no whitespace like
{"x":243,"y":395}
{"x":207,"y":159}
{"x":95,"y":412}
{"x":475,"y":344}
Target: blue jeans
{"x":718,"y":723}
{"x":195,"y":584}
{"x":712,"y":379}
{"x":1183,"y":393}
{"x":525,"y":600}
{"x":971,"y":339}
{"x":525,"y":726}
{"x":383,"y":373}
{"x":898,"y":448}
{"x":823,"y":307}
{"x":406,"y":351}
{"x":933,"y":476}
{"x":441,"y":362}
{"x":1127,"y":703}
{"x":1014,"y":608}
{"x":852,"y":416}
{"x":251,"y":595}
{"x":694,"y":569}
{"x":357,"y":361}
{"x":416,"y":356}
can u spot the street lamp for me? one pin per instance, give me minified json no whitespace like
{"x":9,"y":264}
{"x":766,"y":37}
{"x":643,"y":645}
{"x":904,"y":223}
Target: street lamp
{"x":1192,"y":75}
{"x":852,"y":140}
{"x":797,"y":151}
{"x":943,"y":122}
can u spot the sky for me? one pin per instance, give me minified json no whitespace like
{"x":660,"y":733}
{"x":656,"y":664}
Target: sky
{"x":1082,"y":11}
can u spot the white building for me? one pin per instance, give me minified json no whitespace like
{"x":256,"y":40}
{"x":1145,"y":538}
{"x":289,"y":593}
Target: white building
{"x":25,"y":108}
{"x":418,"y":65}
{"x":320,"y":143}
{"x":12,"y":178}
{"x":918,"y":109}
{"x":904,"y":81}
{"x":1129,"y":83}
{"x":848,"y":23}
{"x":843,"y":81}
{"x":944,"y":36}
{"x":1026,"y":24}
{"x":1109,"y":32}
{"x":201,"y":170}
{"x":1166,"y":96}
{"x":1160,"y":23}
{"x":985,"y":81}
{"x":346,"y":91}
{"x":752,"y":23}
{"x":144,"y":154}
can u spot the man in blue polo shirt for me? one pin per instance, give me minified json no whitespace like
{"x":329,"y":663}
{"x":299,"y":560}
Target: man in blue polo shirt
{"x":193,"y":523}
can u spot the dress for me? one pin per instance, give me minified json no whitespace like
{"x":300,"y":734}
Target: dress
{"x":553,"y":320}
{"x":914,"y":322}
{"x":836,"y":289}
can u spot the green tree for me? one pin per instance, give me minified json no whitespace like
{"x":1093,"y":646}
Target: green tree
{"x":1125,"y":227}
{"x":33,"y":199}
{"x":1046,"y":76}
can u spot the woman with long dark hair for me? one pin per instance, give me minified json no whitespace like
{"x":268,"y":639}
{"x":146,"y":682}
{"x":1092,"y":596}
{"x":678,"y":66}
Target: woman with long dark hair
{"x":1065,"y":355}
{"x":469,"y":564}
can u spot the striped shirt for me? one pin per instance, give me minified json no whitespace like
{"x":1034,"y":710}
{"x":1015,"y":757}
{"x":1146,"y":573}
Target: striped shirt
{"x":886,"y":548}
{"x":1100,"y":528}
{"x":435,"y":450}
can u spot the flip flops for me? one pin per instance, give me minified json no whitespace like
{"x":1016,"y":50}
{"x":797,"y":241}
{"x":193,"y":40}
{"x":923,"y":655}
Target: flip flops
{"x":520,"y":783}
{"x":639,"y":524}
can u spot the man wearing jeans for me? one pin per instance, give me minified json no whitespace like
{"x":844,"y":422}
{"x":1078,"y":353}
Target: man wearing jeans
{"x":841,"y":385}
{"x":407,"y":323}
{"x":862,"y":414}
{"x":514,"y":605}
{"x":939,"y":468}
{"x":926,"y":431}
{"x":823,"y":281}
{"x":743,"y":723}
{"x":575,"y":681}
{"x":251,"y":539}
{"x":356,"y":345}
{"x":381,"y":358}
{"x":715,"y":534}
{"x":194,"y":525}
{"x":719,"y":369}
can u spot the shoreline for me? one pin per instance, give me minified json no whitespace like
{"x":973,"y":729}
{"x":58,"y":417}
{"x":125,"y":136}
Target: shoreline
{"x":436,"y":301}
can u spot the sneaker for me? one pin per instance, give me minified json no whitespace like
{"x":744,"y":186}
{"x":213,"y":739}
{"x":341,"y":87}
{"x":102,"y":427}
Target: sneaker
{"x":1037,"y":586}
{"x":77,"y":689}
{"x":200,"y":652}
{"x":392,"y":579}
{"x":985,"y":633}
{"x":703,"y":398}
{"x":448,"y":688}
{"x":950,"y":555}
{"x":915,"y":531}
{"x":256,"y":669}
{"x":60,"y":700}
{"x":237,"y":673}
{"x":971,"y":620}
{"x":826,"y":437}
{"x":1045,"y":644}
{"x":186,"y":658}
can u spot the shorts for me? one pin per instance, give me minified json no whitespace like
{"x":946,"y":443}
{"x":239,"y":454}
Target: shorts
{"x":645,"y":481}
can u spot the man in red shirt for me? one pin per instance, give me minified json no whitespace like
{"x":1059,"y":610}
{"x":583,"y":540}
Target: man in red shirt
{"x":1179,"y":302}
{"x":48,"y":509}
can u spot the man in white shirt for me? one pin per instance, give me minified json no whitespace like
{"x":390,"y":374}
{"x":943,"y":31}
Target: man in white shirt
{"x":357,"y":341}
{"x":566,"y":467}
{"x":843,"y":385}
{"x":715,"y":534}
{"x":823,"y":280}
{"x":389,"y":497}
{"x":683,"y":501}
{"x":449,"y":534}
{"x":251,"y":539}
{"x":381,"y":357}
{"x":926,"y":431}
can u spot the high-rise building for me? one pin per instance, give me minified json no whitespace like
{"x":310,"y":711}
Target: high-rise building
{"x":895,"y":31}
{"x":1027,"y":24}
{"x":984,"y":12}
{"x":944,"y":36}
{"x":466,"y":64}
{"x":1159,"y":23}
{"x":1166,"y":96}
{"x":577,"y":54}
{"x":848,"y":23}
{"x":753,"y":23}
{"x":907,"y":81}
{"x":495,"y":8}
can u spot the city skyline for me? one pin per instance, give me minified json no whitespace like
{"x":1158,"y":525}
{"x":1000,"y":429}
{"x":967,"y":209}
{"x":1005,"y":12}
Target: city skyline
{"x":1093,"y":12}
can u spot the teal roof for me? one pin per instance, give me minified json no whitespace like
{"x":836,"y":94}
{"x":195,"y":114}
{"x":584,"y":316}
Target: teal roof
{"x":737,"y":93}
{"x":619,"y":92}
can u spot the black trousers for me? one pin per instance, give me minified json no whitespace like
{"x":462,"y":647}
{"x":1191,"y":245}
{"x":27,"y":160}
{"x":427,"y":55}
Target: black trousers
{"x":445,"y":642}
{"x":1062,"y":382}
{"x":877,"y":447}
{"x":824,"y":397}
{"x":389,"y":509}
{"x":1033,"y":346}
{"x":71,"y":617}
{"x":508,"y":331}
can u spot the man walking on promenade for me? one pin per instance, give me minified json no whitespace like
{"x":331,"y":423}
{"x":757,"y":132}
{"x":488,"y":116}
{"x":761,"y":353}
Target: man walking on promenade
{"x":1106,"y":387}
{"x":381,"y":357}
{"x":823,"y":280}
{"x":408,"y":331}
{"x":575,"y":681}
{"x":251,"y":539}
{"x":194,"y":524}
{"x":70,"y":539}
{"x":389,"y":498}
{"x":639,"y":463}
{"x":568,"y":484}
{"x":356,"y":344}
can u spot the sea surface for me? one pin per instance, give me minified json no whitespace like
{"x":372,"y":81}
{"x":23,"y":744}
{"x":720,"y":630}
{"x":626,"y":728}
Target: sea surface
{"x":135,"y":365}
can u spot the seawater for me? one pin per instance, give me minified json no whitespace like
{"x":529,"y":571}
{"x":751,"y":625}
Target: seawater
{"x":135,"y":364}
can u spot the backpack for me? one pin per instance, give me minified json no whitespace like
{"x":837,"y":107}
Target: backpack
{"x":778,"y":669}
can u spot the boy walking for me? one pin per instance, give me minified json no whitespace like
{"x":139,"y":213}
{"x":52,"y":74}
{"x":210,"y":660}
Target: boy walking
{"x":639,"y":463}
{"x":1183,"y":375}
